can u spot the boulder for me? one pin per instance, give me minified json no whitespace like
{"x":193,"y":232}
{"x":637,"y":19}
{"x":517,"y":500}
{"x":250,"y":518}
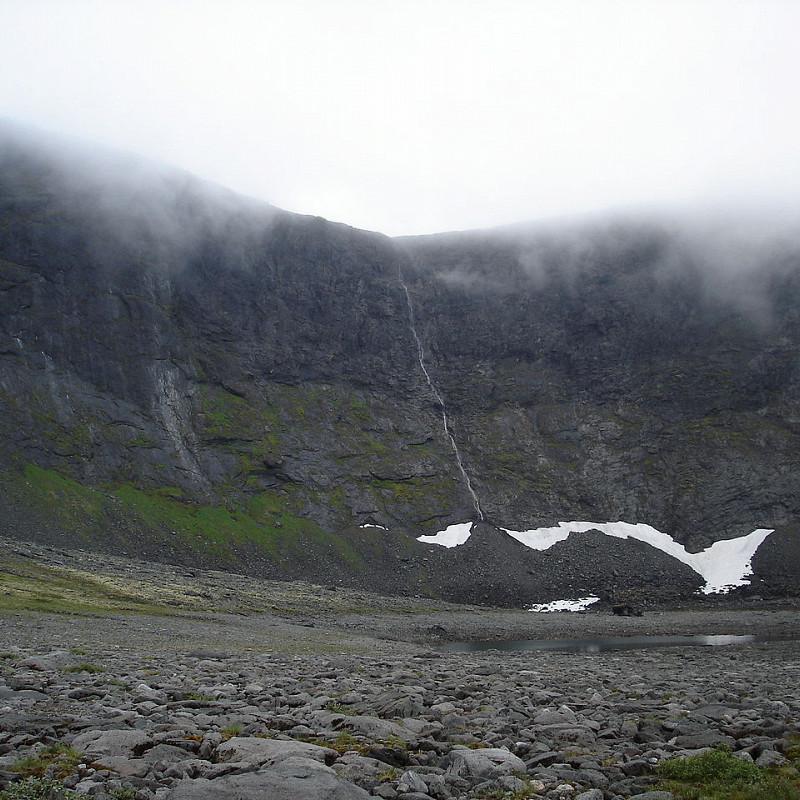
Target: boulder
{"x":252,"y":750}
{"x":128,"y":743}
{"x":291,"y":779}
{"x":57,"y":659}
{"x":483,"y":763}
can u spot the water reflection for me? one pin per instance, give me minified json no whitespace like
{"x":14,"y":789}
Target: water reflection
{"x":599,"y":645}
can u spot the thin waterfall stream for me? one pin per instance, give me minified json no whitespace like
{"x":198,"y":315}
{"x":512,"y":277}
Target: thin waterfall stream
{"x":445,"y":421}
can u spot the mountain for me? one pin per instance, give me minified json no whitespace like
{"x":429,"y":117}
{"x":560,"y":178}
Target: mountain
{"x":197,"y":377}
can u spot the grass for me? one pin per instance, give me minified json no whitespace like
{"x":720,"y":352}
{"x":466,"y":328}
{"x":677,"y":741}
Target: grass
{"x":229,"y":731}
{"x":336,"y":707}
{"x":57,"y":759}
{"x":28,"y":585}
{"x":720,"y":775}
{"x":344,"y":742}
{"x":85,"y":666}
{"x":39,"y":789}
{"x":200,"y":697}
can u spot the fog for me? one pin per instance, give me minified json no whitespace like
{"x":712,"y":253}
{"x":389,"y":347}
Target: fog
{"x":417,"y":117}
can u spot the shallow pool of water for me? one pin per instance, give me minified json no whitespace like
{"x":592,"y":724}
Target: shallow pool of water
{"x":599,"y":645}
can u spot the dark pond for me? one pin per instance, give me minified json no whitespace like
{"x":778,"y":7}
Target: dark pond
{"x":600,"y":645}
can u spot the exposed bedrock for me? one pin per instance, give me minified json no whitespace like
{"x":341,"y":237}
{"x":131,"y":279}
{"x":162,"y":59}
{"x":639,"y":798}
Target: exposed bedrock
{"x":204,"y":378}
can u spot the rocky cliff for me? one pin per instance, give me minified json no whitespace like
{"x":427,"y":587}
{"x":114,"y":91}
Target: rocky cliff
{"x":195,"y":376}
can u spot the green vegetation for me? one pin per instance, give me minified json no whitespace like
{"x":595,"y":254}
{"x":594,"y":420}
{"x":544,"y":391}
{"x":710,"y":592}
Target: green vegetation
{"x":336,"y":707}
{"x":58,"y":760}
{"x":85,"y":666}
{"x":39,"y":789}
{"x":122,"y":793}
{"x":498,"y":793}
{"x":344,"y":742}
{"x":720,"y":775}
{"x":72,"y":503}
{"x":29,"y":585}
{"x":203,"y":697}
{"x":216,"y":530}
{"x":229,"y":731}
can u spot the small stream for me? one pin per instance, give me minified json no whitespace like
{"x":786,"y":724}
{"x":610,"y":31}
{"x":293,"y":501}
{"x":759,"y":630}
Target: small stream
{"x":602,"y":644}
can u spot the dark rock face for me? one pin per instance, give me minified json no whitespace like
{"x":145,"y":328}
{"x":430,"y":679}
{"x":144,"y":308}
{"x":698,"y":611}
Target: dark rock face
{"x":197,"y":377}
{"x":611,"y":377}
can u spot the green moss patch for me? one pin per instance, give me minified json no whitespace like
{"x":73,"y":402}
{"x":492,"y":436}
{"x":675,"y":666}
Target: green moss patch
{"x":720,"y":775}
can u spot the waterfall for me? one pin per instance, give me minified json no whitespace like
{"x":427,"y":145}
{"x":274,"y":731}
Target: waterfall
{"x":439,"y":399}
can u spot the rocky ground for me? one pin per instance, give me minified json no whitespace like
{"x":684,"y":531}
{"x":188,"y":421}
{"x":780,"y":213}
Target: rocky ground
{"x":184,"y":685}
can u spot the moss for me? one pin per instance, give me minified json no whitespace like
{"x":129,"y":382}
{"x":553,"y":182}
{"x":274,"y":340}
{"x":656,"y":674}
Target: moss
{"x":73,"y":504}
{"x":210,"y":529}
{"x":85,"y":666}
{"x":58,"y":759}
{"x":36,"y":788}
{"x":27,"y":585}
{"x":226,"y":415}
{"x":269,"y":521}
{"x":720,"y":775}
{"x":420,"y":493}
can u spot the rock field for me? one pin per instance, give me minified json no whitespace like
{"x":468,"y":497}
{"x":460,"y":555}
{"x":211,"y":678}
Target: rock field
{"x":342,"y":700}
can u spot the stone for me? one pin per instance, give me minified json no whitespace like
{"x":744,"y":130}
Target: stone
{"x":57,"y":659}
{"x":291,"y":779}
{"x":252,"y":750}
{"x":128,"y":743}
{"x":482,"y":763}
{"x":375,"y":728}
{"x":411,"y":782}
{"x":770,"y":758}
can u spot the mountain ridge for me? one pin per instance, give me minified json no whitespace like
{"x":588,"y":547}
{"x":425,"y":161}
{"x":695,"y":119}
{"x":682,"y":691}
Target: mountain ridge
{"x":222,"y":381}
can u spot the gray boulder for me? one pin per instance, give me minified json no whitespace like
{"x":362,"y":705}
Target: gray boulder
{"x":128,"y":743}
{"x":292,"y":779}
{"x":252,"y":750}
{"x":484,"y":763}
{"x":58,"y":659}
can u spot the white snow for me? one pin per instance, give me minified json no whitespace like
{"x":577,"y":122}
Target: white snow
{"x":726,"y":563}
{"x":452,"y":536}
{"x":581,"y":604}
{"x":723,"y":565}
{"x":373,"y":525}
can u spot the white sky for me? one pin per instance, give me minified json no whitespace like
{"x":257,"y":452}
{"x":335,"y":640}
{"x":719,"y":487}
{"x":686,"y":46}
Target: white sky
{"x":412,"y":116}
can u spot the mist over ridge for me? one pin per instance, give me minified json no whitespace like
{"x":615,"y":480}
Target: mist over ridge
{"x":168,"y":346}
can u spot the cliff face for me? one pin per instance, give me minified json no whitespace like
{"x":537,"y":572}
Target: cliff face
{"x":618,"y":372}
{"x":200,"y":377}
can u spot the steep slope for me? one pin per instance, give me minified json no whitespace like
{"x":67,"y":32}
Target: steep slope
{"x":197,"y":376}
{"x":193,"y":376}
{"x":626,"y":371}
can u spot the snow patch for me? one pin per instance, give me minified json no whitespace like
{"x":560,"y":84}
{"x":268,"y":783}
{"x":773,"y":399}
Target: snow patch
{"x":724,"y":565}
{"x":581,"y":604}
{"x":451,"y":536}
{"x":373,"y":525}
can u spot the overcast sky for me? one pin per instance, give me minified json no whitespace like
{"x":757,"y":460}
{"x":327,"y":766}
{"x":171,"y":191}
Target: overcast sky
{"x":414,"y":116}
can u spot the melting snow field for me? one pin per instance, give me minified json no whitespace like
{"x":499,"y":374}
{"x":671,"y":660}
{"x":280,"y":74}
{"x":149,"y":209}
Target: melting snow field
{"x":452,"y":536}
{"x":564,"y":605}
{"x":723,"y":565}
